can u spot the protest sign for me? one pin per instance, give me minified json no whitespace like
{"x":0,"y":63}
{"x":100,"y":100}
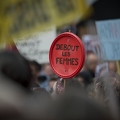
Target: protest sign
{"x":109,"y":36}
{"x":36,"y":46}
{"x":101,"y":69}
{"x":67,"y":55}
{"x":22,"y":17}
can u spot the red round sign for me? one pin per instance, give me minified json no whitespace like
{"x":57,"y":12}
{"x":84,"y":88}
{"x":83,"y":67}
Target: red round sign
{"x":67,"y":55}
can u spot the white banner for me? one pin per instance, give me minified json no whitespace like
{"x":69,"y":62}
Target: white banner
{"x":36,"y":46}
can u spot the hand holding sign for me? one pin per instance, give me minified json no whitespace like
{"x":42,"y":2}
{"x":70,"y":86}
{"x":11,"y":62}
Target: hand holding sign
{"x":67,"y":55}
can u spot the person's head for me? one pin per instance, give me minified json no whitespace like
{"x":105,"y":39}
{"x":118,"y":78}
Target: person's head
{"x":64,"y":85}
{"x":76,"y":106}
{"x":91,"y":62}
{"x":112,"y":66}
{"x":48,"y":70}
{"x":80,"y":79}
{"x":73,"y":84}
{"x":35,"y":68}
{"x":41,"y":92}
{"x":84,"y":78}
{"x":107,"y":88}
{"x":15,"y":67}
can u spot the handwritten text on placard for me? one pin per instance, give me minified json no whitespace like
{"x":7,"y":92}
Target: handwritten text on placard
{"x":67,"y":52}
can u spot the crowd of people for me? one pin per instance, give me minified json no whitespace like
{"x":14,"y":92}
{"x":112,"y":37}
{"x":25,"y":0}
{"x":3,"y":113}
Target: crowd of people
{"x":30,"y":91}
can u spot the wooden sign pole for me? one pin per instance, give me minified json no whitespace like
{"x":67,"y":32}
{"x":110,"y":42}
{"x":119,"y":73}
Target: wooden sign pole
{"x":118,"y":67}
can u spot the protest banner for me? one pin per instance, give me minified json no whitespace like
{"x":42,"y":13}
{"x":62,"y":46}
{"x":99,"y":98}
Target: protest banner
{"x":36,"y":46}
{"x":67,"y":55}
{"x":27,"y":16}
{"x":109,"y":36}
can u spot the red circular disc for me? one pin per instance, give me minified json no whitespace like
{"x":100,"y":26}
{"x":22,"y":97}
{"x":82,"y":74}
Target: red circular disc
{"x":67,"y":55}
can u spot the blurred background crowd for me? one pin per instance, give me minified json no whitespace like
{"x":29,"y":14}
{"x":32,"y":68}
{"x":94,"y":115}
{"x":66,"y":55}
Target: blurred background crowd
{"x":30,"y":90}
